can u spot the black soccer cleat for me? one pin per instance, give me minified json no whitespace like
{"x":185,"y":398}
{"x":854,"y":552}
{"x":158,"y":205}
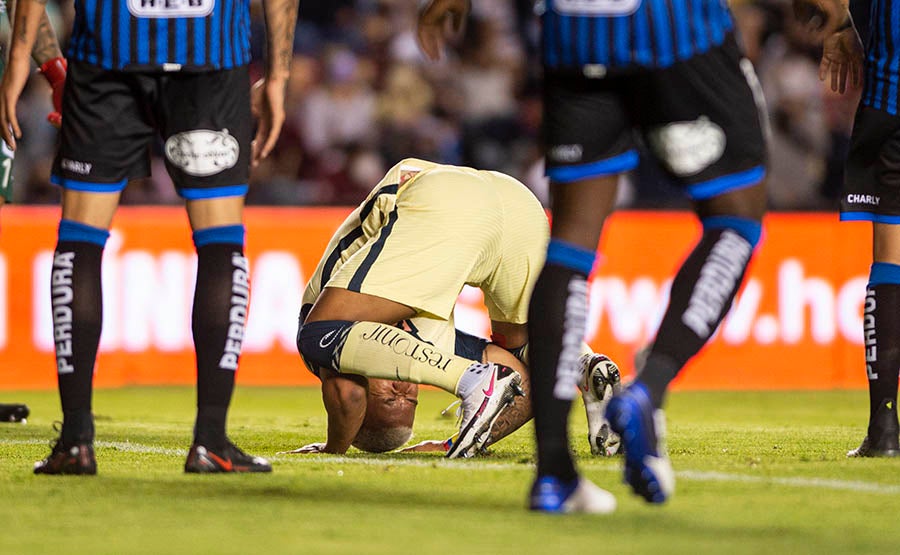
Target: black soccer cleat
{"x":884,"y":447}
{"x":77,"y":458}
{"x":883,"y":436}
{"x":230,"y":458}
{"x":13,"y":413}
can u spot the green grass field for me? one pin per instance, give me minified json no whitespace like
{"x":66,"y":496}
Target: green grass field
{"x":757,"y":473}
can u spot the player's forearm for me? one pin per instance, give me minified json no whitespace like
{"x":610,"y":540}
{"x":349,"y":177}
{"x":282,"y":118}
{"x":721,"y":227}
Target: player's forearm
{"x":46,"y":46}
{"x":281,"y":20}
{"x":345,"y":403}
{"x":27,"y":20}
{"x":342,"y":430}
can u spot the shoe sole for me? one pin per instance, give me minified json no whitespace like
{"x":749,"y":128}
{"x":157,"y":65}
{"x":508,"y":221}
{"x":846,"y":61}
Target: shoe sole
{"x":598,"y":382}
{"x":597,"y":501}
{"x":235,"y":470}
{"x":67,"y":471}
{"x":874,"y":454}
{"x":629,"y":422}
{"x":469,"y":438}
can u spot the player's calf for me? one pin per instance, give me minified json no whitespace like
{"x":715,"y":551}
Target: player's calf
{"x":702,"y":293}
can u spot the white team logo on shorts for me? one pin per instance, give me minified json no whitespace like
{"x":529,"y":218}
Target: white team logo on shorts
{"x":171,"y":8}
{"x":202,"y":152}
{"x":688,"y":147}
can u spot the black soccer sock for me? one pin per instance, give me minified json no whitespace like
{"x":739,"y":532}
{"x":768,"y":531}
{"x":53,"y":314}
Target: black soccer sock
{"x":881,"y":331}
{"x":77,"y":305}
{"x":556,"y":323}
{"x":221,"y":299}
{"x":702,"y":293}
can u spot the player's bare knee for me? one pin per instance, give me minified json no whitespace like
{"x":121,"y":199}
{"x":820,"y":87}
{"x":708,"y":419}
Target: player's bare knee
{"x":748,"y":203}
{"x":886,"y":243}
{"x":215,"y":212}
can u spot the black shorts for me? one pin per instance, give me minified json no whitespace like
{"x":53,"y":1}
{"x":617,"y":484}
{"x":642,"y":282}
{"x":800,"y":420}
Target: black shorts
{"x":702,"y":119}
{"x":112,"y":118}
{"x":872,"y":174}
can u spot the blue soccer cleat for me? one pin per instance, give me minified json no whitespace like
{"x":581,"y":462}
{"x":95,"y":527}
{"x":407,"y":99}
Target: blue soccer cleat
{"x":642,"y":428}
{"x":551,"y":495}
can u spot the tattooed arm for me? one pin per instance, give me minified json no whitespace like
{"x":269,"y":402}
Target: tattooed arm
{"x":46,"y":46}
{"x":25,"y":30}
{"x":49,"y":58}
{"x":268,"y":93}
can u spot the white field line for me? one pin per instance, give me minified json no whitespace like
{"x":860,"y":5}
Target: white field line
{"x":470,"y":465}
{"x":125,"y":446}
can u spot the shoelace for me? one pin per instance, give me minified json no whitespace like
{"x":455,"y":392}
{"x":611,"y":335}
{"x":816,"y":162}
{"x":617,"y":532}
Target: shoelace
{"x":235,"y":449}
{"x":56,"y":444}
{"x":457,"y":413}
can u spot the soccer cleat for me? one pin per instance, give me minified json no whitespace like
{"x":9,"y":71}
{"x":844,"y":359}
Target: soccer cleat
{"x":601,"y":380}
{"x":481,"y":408}
{"x":885,"y":447}
{"x":77,"y":458}
{"x":450,"y":442}
{"x":642,"y":428}
{"x":230,"y":458}
{"x":13,"y":413}
{"x":550,"y":495}
{"x":883,"y":437}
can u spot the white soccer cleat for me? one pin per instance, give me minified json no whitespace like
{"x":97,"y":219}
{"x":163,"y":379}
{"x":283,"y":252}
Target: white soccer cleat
{"x":589,"y":498}
{"x":601,"y":380}
{"x":549,"y":495}
{"x":481,"y":408}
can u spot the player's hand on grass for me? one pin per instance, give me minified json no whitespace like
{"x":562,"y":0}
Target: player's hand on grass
{"x":11,"y":87}
{"x":439,"y":20}
{"x":842,"y":57}
{"x":267,"y":103}
{"x":309,"y":449}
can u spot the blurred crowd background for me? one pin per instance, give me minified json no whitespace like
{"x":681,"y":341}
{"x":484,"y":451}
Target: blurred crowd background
{"x":362,"y":97}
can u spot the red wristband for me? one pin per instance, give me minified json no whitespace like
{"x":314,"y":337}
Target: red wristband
{"x":54,"y":70}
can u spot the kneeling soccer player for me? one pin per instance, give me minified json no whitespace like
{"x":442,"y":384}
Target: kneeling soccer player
{"x":389,"y":407}
{"x":403,"y":255}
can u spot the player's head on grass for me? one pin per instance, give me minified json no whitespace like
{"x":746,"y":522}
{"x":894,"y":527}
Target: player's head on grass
{"x":390,"y":412}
